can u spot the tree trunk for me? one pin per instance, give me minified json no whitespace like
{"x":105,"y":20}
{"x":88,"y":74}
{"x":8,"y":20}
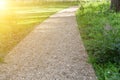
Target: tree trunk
{"x":115,"y":5}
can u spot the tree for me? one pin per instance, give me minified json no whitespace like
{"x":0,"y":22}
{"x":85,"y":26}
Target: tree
{"x":115,"y":5}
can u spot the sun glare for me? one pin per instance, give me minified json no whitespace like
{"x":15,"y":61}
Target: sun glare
{"x":2,"y":5}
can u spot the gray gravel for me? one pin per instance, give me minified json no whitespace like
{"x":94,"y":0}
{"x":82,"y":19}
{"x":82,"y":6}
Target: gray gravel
{"x":52,"y":51}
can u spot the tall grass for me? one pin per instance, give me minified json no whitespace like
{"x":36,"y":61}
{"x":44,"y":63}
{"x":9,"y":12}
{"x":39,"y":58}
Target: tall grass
{"x":100,"y":32}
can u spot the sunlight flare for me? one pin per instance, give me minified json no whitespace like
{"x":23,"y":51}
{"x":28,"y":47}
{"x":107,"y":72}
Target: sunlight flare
{"x":3,"y":4}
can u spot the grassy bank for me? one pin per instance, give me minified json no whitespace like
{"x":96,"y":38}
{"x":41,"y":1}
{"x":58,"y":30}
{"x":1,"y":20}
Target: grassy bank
{"x":17,"y":20}
{"x":100,"y":31}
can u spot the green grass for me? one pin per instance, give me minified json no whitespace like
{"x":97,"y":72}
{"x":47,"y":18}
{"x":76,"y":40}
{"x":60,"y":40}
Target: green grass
{"x":100,"y":31}
{"x":19,"y":20}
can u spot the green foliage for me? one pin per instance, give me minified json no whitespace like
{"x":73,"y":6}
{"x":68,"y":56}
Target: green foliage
{"x":105,"y":46}
{"x":100,"y":32}
{"x":108,"y":71}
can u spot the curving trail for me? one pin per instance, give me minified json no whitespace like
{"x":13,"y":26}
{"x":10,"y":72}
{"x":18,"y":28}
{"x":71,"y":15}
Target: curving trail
{"x":52,"y":51}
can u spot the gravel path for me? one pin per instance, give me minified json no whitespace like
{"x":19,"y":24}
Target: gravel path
{"x":52,"y":51}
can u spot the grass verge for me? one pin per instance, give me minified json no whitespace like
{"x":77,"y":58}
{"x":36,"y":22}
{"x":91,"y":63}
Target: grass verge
{"x":100,"y":31}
